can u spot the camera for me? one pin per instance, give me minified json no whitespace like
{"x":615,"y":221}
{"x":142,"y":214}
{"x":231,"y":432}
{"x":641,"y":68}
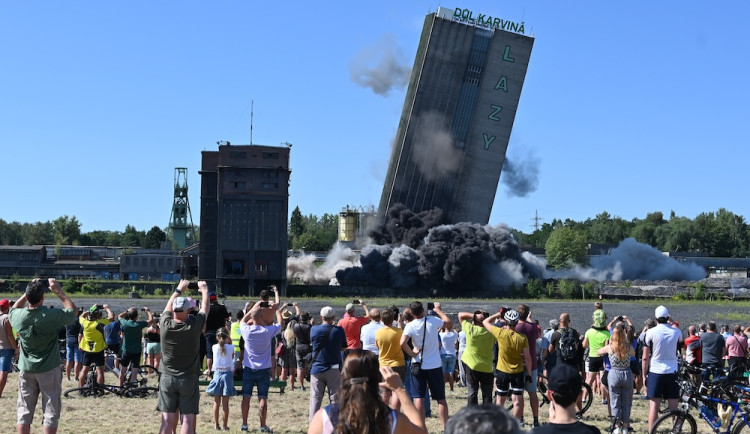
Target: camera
{"x":620,"y":318}
{"x":355,"y":301}
{"x":430,"y":305}
{"x":44,"y":282}
{"x":193,"y":285}
{"x":264,"y":304}
{"x":100,"y":306}
{"x":290,"y":304}
{"x":143,"y":309}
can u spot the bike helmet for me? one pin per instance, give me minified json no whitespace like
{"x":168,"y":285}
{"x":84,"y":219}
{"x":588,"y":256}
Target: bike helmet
{"x":511,"y":317}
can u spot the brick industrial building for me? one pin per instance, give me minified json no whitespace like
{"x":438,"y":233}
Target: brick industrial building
{"x":458,"y":114}
{"x":243,"y":223}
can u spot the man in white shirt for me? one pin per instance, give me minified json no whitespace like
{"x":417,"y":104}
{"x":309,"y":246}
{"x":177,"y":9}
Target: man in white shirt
{"x":367,"y":333}
{"x":425,"y":340}
{"x":660,"y":376}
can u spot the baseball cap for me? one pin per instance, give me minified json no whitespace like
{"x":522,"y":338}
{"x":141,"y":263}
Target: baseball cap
{"x":327,"y":312}
{"x":4,"y":304}
{"x":93,"y":309}
{"x":212,"y":295}
{"x":661,"y":312}
{"x":554,"y":323}
{"x":349,"y":307}
{"x":564,"y":379}
{"x":179,"y":304}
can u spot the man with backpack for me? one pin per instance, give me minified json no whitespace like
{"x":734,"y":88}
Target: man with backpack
{"x":565,"y":343}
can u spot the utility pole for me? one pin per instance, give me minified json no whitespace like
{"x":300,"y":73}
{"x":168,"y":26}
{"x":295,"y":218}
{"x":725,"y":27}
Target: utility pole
{"x":536,"y":220}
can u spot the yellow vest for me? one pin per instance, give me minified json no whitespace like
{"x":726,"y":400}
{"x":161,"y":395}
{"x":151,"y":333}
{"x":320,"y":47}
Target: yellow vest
{"x":235,"y":334}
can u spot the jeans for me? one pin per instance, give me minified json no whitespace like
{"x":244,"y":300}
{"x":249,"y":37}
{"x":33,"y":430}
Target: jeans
{"x":318,"y":383}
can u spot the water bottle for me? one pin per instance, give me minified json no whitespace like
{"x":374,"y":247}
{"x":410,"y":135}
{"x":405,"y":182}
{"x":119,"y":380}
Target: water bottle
{"x":710,"y":416}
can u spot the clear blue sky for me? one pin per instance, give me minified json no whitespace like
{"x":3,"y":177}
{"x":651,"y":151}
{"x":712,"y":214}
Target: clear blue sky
{"x":629,"y":107}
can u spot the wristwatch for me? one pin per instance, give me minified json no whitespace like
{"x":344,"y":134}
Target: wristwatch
{"x":178,"y":291}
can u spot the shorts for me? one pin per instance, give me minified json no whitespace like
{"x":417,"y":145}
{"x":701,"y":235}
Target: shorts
{"x":635,"y":367}
{"x":531,"y":387}
{"x":6,"y":359}
{"x":432,"y":378}
{"x":153,"y":348}
{"x":662,"y":386}
{"x":210,"y":341}
{"x":507,"y":384}
{"x":222,"y":384}
{"x":131,"y":359}
{"x":595,"y":364}
{"x":256,"y":377}
{"x":95,"y":358}
{"x":115,"y":348}
{"x":303,"y":356}
{"x":449,"y":363}
{"x":73,"y":353}
{"x":30,"y":386}
{"x":178,"y":393}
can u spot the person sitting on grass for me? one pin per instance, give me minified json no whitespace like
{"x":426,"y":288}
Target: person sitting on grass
{"x":359,"y":408}
{"x":222,"y":383}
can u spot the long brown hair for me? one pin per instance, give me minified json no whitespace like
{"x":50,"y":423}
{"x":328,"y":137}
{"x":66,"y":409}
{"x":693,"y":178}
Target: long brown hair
{"x":361,"y":411}
{"x":222,"y":337}
{"x":619,"y":343}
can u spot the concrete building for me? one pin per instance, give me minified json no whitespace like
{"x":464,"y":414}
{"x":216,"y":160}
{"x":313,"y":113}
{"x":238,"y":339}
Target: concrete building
{"x":458,"y":114}
{"x":244,"y":209}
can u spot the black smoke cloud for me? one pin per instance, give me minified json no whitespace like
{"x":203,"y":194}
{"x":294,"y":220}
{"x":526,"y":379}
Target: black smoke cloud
{"x":432,"y":255}
{"x":381,"y":67}
{"x":521,"y":177}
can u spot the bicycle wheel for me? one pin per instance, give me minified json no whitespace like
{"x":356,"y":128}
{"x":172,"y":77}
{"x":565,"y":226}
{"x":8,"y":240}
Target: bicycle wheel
{"x":142,"y":392}
{"x":148,"y":376}
{"x":741,"y":427}
{"x":541,"y":390}
{"x":676,"y":421}
{"x":587,"y":403}
{"x":84,"y":392}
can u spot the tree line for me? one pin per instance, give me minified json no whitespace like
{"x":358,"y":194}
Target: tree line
{"x":67,"y":231}
{"x":719,"y":234}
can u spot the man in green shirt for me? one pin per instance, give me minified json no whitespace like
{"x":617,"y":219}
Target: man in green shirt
{"x":132,"y":333}
{"x":477,"y":357}
{"x":39,"y":359}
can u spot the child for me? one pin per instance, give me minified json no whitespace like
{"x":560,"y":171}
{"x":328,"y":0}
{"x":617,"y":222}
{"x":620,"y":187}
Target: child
{"x":222,"y":383}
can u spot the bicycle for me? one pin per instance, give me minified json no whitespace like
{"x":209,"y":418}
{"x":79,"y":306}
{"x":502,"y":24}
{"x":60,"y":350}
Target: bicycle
{"x":139,"y":388}
{"x":541,"y":389}
{"x":681,"y":421}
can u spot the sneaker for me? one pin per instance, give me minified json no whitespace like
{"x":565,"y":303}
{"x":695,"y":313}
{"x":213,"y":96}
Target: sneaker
{"x":243,"y":428}
{"x":206,"y":372}
{"x":304,"y":389}
{"x":265,"y":429}
{"x":617,"y":431}
{"x":604,"y":401}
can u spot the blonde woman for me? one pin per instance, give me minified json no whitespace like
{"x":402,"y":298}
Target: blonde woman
{"x":620,"y":377}
{"x":288,"y":360}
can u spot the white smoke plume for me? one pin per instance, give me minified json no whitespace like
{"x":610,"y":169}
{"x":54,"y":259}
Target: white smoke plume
{"x":303,"y":268}
{"x":433,"y":149}
{"x":381,"y":67}
{"x":632,"y":260}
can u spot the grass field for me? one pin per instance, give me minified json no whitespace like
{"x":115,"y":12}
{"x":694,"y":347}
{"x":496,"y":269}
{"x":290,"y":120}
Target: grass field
{"x":287,"y":413}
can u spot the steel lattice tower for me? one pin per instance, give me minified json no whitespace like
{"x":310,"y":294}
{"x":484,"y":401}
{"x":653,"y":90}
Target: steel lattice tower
{"x":181,"y":221}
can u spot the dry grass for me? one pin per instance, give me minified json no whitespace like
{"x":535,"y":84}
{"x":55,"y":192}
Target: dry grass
{"x":287,"y":413}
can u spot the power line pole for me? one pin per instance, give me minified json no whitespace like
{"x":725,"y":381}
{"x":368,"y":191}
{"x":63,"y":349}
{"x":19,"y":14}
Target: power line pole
{"x":536,"y":220}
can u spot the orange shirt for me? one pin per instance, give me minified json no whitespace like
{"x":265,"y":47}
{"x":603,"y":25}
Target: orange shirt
{"x":352,"y":326}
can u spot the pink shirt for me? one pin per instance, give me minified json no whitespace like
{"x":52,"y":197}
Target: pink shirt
{"x":737,"y":346}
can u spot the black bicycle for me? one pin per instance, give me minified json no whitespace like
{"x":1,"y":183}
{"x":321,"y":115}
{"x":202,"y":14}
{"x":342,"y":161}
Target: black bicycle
{"x":541,"y":389}
{"x":142,"y":385}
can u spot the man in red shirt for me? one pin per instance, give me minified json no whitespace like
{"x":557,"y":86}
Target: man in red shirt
{"x":352,"y":325}
{"x":693,"y":351}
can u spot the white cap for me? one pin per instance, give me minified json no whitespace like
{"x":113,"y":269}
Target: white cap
{"x":661,"y":312}
{"x":327,"y":312}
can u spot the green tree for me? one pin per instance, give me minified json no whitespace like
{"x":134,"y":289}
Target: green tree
{"x":37,"y":233}
{"x":132,"y":237}
{"x":67,"y":230}
{"x":296,"y":225}
{"x":565,"y":247}
{"x":154,"y":237}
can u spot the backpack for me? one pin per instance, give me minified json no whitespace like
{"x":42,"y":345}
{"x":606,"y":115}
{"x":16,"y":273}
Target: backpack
{"x":568,"y":345}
